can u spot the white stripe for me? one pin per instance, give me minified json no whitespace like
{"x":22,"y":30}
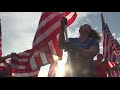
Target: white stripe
{"x":70,"y":15}
{"x":33,"y":63}
{"x":25,"y":74}
{"x":110,"y":64}
{"x":43,"y":57}
{"x":2,"y":64}
{"x":18,"y":66}
{"x":49,"y":18}
{"x":47,"y":33}
{"x":20,"y":60}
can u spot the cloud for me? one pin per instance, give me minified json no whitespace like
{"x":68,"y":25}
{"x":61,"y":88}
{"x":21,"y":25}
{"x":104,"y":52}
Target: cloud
{"x":18,"y":30}
{"x":84,"y":14}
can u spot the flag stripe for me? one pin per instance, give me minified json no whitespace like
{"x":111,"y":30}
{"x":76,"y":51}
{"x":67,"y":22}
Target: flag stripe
{"x":49,"y":32}
{"x":48,"y":25}
{"x":48,"y":54}
{"x":58,"y":51}
{"x":109,"y":48}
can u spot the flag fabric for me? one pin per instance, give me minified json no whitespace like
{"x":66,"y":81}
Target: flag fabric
{"x":46,"y":38}
{"x":21,"y":67}
{"x":0,"y":44}
{"x":0,"y":40}
{"x":45,"y":47}
{"x":53,"y":70}
{"x":71,"y":16}
{"x":109,"y":46}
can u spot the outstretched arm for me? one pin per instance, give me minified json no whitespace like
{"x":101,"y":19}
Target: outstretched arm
{"x":2,"y":59}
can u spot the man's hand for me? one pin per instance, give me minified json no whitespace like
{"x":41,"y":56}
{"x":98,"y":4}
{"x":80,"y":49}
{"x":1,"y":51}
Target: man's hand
{"x":12,"y":54}
{"x":64,"y":21}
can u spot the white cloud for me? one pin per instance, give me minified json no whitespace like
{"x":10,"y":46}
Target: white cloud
{"x":18,"y":30}
{"x":84,"y":14}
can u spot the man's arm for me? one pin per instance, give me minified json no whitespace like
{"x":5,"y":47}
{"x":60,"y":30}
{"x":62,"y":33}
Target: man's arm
{"x":2,"y":59}
{"x":61,"y":36}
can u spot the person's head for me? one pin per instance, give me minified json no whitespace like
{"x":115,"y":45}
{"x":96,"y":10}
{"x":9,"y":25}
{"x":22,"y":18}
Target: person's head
{"x":99,"y":57}
{"x":87,"y":31}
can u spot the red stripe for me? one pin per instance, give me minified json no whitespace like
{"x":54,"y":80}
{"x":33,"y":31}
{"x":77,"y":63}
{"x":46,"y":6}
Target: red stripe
{"x":67,"y":13}
{"x":106,"y":57}
{"x":71,"y":20}
{"x":46,"y":40}
{"x":46,"y":26}
{"x":45,"y":15}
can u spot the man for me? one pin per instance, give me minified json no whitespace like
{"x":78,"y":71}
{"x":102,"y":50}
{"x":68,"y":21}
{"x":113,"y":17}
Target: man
{"x":82,"y":50}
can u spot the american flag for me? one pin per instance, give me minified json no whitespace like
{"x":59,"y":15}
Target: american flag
{"x":45,"y":47}
{"x":71,"y":16}
{"x":109,"y":46}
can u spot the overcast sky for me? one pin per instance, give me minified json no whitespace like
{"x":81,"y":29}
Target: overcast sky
{"x":18,"y":29}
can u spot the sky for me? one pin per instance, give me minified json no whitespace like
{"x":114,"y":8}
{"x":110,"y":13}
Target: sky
{"x":19,"y":28}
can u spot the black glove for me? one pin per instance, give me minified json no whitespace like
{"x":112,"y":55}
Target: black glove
{"x":64,"y":21}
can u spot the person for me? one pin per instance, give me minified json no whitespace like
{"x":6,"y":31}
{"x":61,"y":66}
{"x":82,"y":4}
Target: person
{"x":81,"y":50}
{"x":4,"y":72}
{"x":101,"y":66}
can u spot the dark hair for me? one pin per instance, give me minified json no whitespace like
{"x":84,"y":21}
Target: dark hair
{"x":94,"y":34}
